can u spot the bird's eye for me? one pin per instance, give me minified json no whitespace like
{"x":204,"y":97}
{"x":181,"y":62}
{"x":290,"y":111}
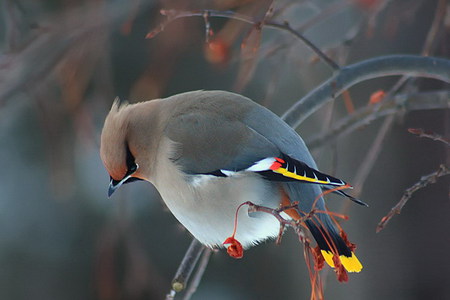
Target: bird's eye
{"x":132,"y":168}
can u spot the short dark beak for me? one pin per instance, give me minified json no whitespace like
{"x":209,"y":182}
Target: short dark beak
{"x":114,"y":185}
{"x":111,"y":188}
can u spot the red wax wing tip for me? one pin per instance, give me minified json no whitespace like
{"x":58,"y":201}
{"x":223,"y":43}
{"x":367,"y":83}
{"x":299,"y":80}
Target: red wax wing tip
{"x":279,"y":160}
{"x":275,"y":166}
{"x":235,"y":248}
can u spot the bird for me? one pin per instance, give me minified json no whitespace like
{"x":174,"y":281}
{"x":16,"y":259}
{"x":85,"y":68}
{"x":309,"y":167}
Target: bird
{"x":207,"y":152}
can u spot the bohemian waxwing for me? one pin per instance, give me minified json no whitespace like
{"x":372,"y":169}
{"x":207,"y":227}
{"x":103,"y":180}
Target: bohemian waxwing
{"x":207,"y":152}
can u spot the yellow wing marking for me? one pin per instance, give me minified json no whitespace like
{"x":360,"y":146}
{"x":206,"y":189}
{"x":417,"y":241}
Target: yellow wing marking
{"x":287,"y":173}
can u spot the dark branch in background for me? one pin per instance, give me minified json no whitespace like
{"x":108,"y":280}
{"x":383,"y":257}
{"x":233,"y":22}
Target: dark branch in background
{"x":367,"y":114}
{"x":371,"y":156}
{"x":428,"y":47}
{"x":439,"y":17}
{"x":173,"y":15}
{"x":429,"y":134}
{"x":411,"y":65}
{"x":373,"y":18}
{"x":424,"y":181}
{"x":406,"y":82}
{"x":11,"y":24}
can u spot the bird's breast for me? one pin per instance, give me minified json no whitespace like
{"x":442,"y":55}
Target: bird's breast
{"x":206,"y":205}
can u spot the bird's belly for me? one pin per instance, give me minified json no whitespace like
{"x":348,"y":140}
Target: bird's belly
{"x":207,"y":207}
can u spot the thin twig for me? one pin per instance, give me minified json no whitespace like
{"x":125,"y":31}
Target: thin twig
{"x":173,"y":15}
{"x":367,"y":114}
{"x":323,"y":56}
{"x":371,"y":157}
{"x":276,"y":212}
{"x":429,"y":134}
{"x":379,"y":8}
{"x":431,"y":39}
{"x":11,"y":24}
{"x":423,"y":182}
{"x":186,"y":267}
{"x":198,"y":274}
{"x":330,"y":10}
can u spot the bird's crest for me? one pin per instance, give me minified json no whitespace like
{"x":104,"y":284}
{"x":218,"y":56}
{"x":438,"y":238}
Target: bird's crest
{"x":118,"y":104}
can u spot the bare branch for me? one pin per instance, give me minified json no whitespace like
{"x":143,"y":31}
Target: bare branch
{"x":11,"y":24}
{"x":367,"y":114}
{"x":372,"y":155}
{"x":173,"y":15}
{"x":411,"y":65}
{"x":423,"y":182}
{"x":436,"y":26}
{"x":375,"y":148}
{"x":198,"y":274}
{"x":429,"y":134}
{"x":288,"y":28}
{"x":186,"y":267}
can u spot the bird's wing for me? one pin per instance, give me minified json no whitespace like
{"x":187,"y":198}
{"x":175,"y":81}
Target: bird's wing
{"x":285,"y":168}
{"x":207,"y":142}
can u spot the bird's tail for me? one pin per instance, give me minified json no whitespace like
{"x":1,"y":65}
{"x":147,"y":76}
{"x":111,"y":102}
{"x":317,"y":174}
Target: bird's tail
{"x":334,"y":246}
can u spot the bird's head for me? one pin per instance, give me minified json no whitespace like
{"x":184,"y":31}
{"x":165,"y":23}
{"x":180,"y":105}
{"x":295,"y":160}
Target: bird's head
{"x":123,"y":150}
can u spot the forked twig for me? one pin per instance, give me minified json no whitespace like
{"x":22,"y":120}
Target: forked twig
{"x":423,"y":182}
{"x":429,"y":134}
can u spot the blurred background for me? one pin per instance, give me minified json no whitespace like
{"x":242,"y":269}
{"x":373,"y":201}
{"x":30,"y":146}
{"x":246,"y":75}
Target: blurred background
{"x":63,"y":62}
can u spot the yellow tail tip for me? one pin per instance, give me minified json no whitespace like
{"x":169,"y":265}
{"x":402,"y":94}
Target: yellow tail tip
{"x":351,"y":264}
